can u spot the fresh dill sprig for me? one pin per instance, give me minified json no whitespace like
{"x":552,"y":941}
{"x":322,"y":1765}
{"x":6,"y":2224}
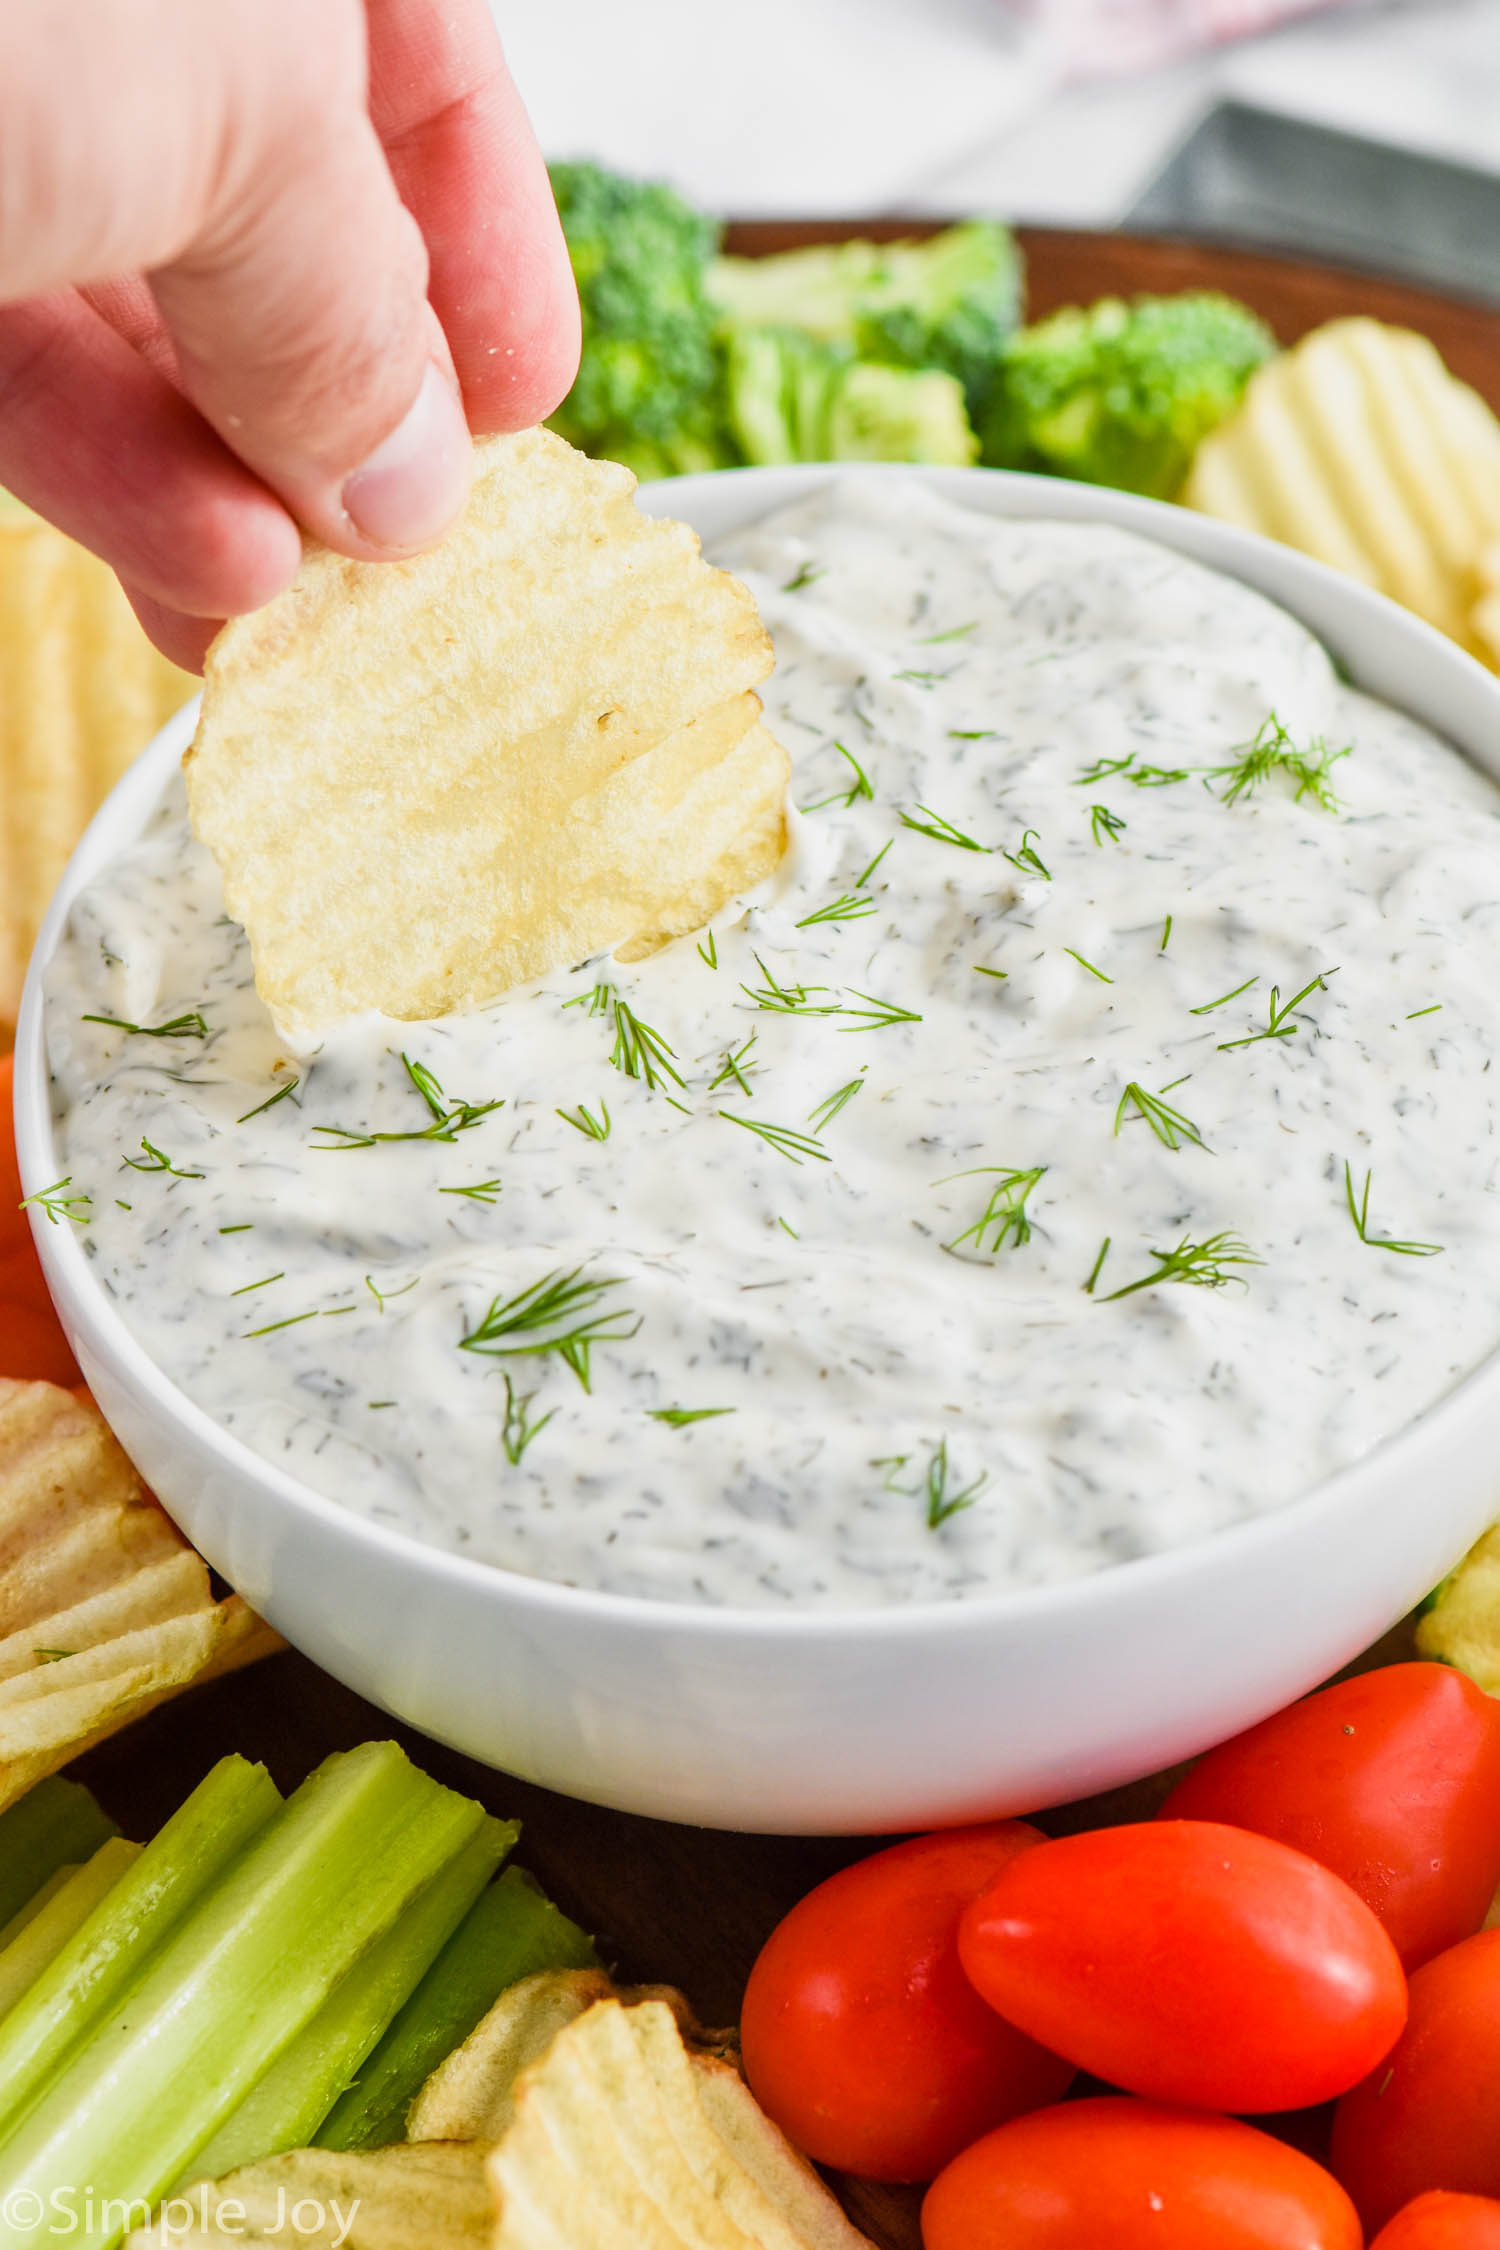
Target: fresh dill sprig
{"x":876,"y":1015}
{"x":678,"y":1417}
{"x":1097,"y":1268}
{"x":786,"y":1141}
{"x":853,"y":906}
{"x":979,"y":969}
{"x":480,"y":1191}
{"x":593,"y":1128}
{"x":596,"y":1000}
{"x":191,"y":1026}
{"x":264,"y":1282}
{"x":861,"y":879}
{"x":244,"y":1227}
{"x":58,"y":1204}
{"x":1157,"y":777}
{"x":1274,"y":751}
{"x":640,"y":1052}
{"x":942,"y":831}
{"x":1279,"y":1016}
{"x":446,"y":1120}
{"x":789,"y":999}
{"x":1201,"y":1265}
{"x":920,"y":679}
{"x":954,"y":633}
{"x":1004,"y":1216}
{"x":1103,"y":769}
{"x":859,"y":787}
{"x":827,"y":1110}
{"x":1209,"y":1006}
{"x":293,"y":1320}
{"x":1106,"y":825}
{"x":1166,"y":935}
{"x":155,"y":1161}
{"x":1026,"y":855}
{"x":711,"y":956}
{"x":973,"y":734}
{"x":1435,"y":1010}
{"x":1169,"y":1125}
{"x":1360,"y":1213}
{"x":280,"y":1095}
{"x":1093,"y":972}
{"x":383,"y":1297}
{"x":805,"y":575}
{"x":517,"y":1428}
{"x":559,"y":1313}
{"x":734,"y":1066}
{"x":942,"y":1501}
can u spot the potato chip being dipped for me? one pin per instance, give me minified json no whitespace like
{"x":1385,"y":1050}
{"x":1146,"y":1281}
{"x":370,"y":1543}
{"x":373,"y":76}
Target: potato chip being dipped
{"x":425,"y":782}
{"x":105,"y":1610}
{"x":1360,"y":448}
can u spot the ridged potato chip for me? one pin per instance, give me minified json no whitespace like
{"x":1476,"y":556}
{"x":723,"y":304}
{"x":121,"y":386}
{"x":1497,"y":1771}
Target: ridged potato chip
{"x":427,"y":781}
{"x":82,"y":691}
{"x":625,"y":2139}
{"x":105,"y":1610}
{"x":1360,"y":448}
{"x":436,"y":2197}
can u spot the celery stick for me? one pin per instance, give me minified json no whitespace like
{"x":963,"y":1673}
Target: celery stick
{"x":77,"y":1990}
{"x":290,"y":2103}
{"x":45,"y":1935}
{"x":54,"y":1823}
{"x":36,"y":1902}
{"x":228,"y":1993}
{"x":512,"y":1931}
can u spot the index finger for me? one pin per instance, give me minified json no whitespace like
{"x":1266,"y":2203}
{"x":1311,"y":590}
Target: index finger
{"x":466,"y":164}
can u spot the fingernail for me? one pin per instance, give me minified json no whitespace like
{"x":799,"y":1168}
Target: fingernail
{"x":416,"y":480}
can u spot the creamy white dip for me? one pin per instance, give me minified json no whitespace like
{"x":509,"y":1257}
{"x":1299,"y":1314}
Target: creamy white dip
{"x":851,"y":1332}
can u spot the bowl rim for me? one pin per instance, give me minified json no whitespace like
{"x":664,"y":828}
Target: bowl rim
{"x":122,"y":817}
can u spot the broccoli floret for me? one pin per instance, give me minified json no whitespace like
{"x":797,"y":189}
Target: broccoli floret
{"x":790,"y":397}
{"x":640,"y":255}
{"x":1122,"y":394}
{"x":948,"y":303}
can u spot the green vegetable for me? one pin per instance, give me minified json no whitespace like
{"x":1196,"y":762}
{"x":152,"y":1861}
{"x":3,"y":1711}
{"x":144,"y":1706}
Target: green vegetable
{"x":295,"y":2096}
{"x":647,"y":376}
{"x":56,"y":1824}
{"x":790,"y":398}
{"x":46,"y":1932}
{"x":1122,"y":394}
{"x":224,"y":1998}
{"x":512,"y":1931}
{"x":86,"y":1978}
{"x":948,"y":303}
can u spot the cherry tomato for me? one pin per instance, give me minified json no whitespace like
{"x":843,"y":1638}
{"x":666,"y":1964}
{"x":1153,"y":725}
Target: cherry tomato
{"x":1429,"y":2117}
{"x":861,"y":2034}
{"x":1392,"y":1780}
{"x":1191,"y":1963}
{"x":1443,"y":2222}
{"x":1123,"y":2175}
{"x":32,"y":1344}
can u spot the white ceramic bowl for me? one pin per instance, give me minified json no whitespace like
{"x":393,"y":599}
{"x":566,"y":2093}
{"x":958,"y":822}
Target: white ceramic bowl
{"x":874,"y":1720}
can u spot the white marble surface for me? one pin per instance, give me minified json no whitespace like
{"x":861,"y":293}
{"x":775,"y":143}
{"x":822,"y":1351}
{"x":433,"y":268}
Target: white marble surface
{"x":843,"y":106}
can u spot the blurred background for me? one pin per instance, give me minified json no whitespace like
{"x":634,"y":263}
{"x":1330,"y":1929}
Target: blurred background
{"x":1059,"y":111}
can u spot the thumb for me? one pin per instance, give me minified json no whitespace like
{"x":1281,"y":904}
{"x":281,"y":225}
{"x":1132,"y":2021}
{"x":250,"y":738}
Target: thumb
{"x":298,"y":312}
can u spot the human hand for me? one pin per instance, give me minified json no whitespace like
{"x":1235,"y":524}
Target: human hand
{"x":244,"y":290}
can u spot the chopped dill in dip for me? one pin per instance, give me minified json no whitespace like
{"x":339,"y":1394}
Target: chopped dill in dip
{"x":1085,"y":1141}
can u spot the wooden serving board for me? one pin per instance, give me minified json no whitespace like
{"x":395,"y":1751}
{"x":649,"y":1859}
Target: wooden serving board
{"x":692,"y":1906}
